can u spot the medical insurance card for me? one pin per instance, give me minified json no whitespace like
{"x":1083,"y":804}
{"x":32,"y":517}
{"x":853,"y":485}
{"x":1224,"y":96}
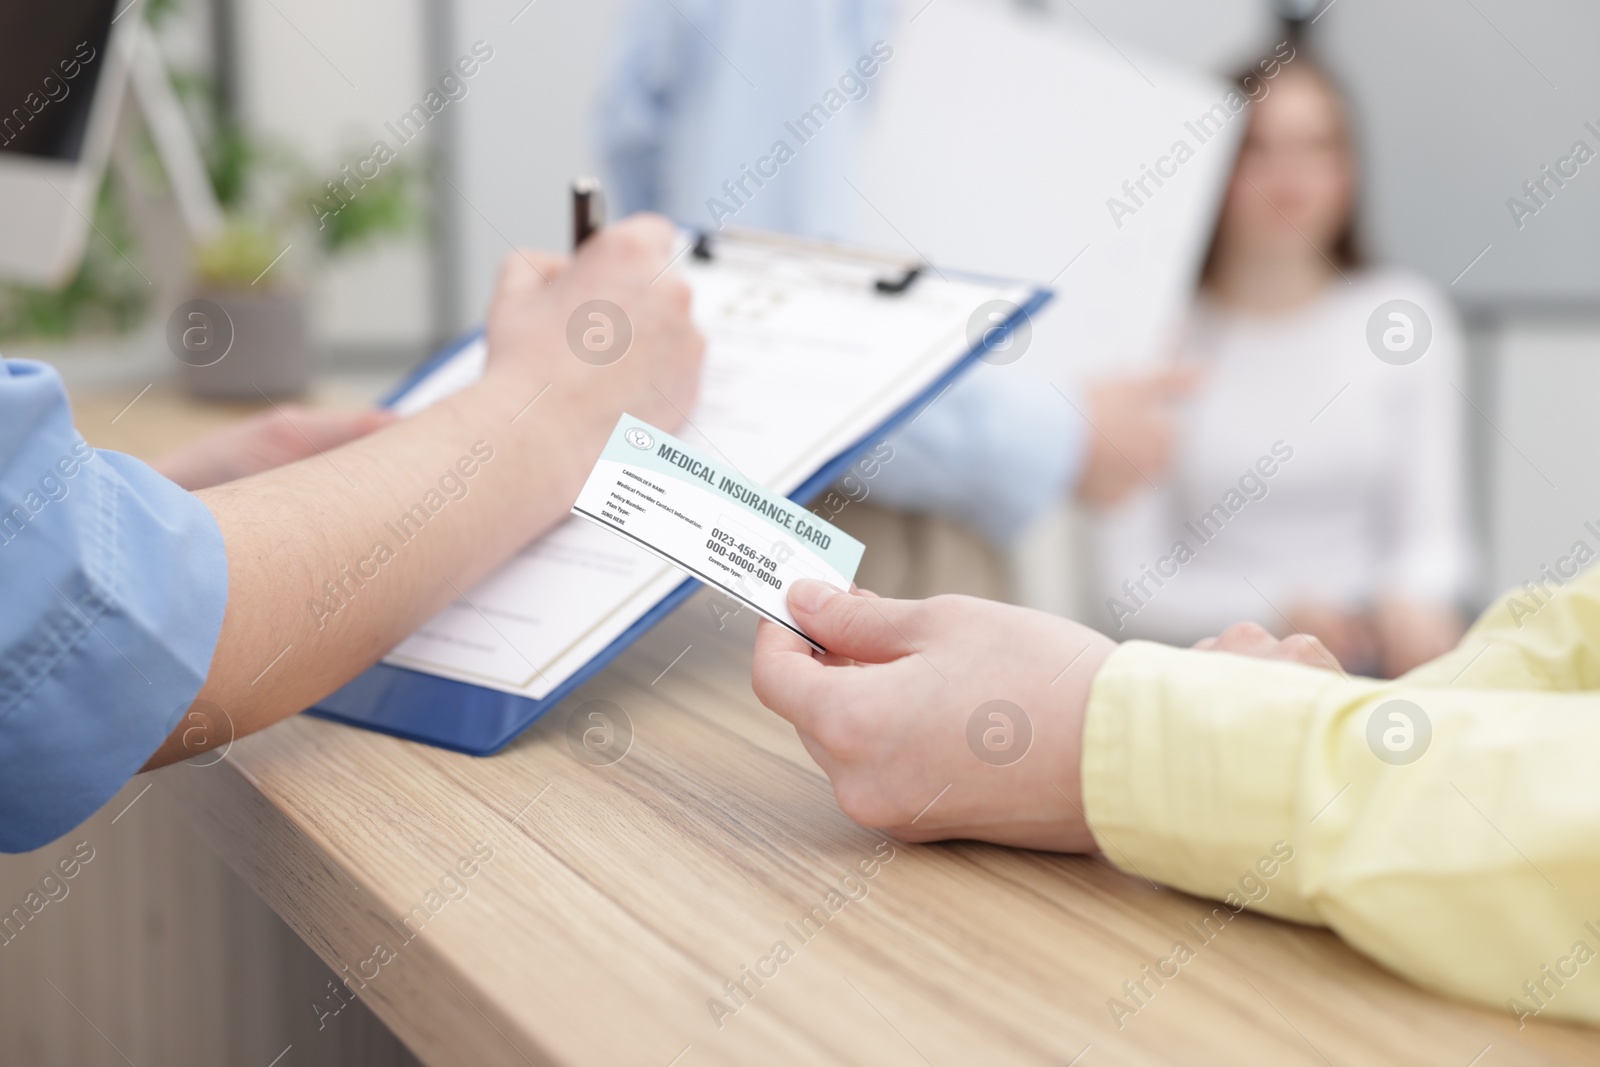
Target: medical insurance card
{"x":702,"y":515}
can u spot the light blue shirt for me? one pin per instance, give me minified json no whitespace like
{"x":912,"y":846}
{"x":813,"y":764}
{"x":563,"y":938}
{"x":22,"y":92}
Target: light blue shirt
{"x":112,"y":587}
{"x":699,"y":91}
{"x":994,"y":452}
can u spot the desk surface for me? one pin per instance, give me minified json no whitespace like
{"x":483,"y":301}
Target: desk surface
{"x":620,"y":898}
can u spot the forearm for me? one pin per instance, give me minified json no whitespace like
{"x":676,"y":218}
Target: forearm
{"x":335,"y":559}
{"x":1197,"y":765}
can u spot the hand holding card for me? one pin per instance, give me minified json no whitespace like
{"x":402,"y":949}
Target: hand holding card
{"x":705,"y":517}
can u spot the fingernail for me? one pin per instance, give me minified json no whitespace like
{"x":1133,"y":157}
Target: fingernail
{"x":811,"y":596}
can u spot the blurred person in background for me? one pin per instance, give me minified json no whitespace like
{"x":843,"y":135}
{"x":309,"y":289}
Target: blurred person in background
{"x":698,"y":95}
{"x":1317,"y":488}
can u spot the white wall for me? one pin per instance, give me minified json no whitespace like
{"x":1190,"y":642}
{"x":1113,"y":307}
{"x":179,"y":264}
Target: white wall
{"x":1459,"y":104}
{"x":1543,"y":481}
{"x":524,"y":136}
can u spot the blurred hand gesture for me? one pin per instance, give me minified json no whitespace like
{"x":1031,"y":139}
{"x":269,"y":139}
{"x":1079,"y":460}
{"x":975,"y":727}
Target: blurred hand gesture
{"x":1251,"y":639}
{"x":1134,"y":434}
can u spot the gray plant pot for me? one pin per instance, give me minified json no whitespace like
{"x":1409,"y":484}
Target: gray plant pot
{"x":240,"y":345}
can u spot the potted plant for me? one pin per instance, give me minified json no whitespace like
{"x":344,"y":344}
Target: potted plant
{"x":244,"y":333}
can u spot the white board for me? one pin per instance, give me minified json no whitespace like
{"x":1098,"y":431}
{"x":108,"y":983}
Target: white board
{"x":996,"y":145}
{"x":997,"y":141}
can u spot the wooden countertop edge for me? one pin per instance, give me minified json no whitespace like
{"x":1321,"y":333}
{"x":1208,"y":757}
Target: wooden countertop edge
{"x":242,"y":825}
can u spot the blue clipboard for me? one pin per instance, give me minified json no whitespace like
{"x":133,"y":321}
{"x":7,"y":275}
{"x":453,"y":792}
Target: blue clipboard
{"x":478,"y":721}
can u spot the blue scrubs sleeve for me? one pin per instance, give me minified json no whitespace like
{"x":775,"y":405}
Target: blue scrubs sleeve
{"x":113,"y":582}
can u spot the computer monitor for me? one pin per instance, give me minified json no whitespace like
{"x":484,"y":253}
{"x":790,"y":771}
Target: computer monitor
{"x":64,"y":68}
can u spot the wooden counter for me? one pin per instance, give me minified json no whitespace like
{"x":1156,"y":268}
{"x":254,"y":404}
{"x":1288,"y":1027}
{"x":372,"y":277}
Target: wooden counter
{"x":539,"y":908}
{"x":621,"y":898}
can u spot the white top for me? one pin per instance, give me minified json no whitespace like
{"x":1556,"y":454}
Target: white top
{"x":1365,"y":494}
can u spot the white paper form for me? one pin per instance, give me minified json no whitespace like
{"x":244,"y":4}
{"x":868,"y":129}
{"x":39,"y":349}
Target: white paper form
{"x":803,"y":359}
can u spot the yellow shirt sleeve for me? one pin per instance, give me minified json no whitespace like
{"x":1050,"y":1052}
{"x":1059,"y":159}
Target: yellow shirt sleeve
{"x":1458,"y":844}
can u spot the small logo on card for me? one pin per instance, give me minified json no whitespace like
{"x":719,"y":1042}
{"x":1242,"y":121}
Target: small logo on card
{"x":640,"y":438}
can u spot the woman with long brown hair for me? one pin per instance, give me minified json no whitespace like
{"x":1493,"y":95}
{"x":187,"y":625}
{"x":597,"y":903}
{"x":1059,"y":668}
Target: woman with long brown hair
{"x":1336,"y":377}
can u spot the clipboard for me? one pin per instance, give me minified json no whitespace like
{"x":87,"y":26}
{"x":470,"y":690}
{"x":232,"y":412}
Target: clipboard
{"x":441,"y":705}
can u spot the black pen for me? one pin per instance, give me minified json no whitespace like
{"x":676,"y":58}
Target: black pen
{"x":588,"y":210}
